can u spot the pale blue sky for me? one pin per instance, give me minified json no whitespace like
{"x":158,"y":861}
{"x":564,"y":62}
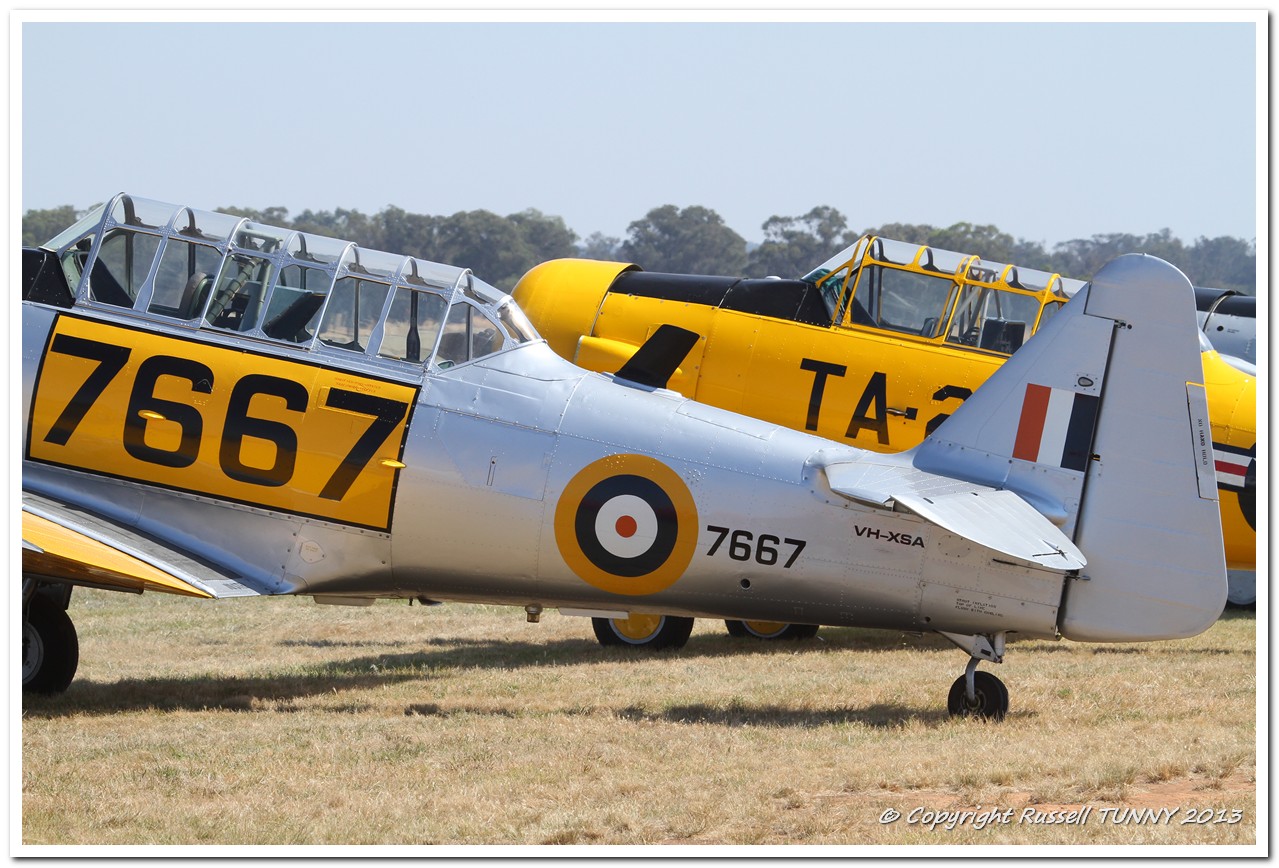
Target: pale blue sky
{"x":1049,"y":131}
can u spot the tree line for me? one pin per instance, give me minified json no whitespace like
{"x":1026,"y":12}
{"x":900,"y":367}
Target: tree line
{"x":695,"y":240}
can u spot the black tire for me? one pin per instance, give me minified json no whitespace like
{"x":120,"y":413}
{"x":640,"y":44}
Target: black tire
{"x":992,"y":697}
{"x":777,"y":630}
{"x":50,"y":649}
{"x":640,"y":631}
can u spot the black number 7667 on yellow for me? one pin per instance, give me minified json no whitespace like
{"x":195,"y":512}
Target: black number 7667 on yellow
{"x":217,"y":421}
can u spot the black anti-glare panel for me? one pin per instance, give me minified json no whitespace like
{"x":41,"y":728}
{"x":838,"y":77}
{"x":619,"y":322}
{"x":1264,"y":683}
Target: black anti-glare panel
{"x":792,"y":300}
{"x":690,"y":288}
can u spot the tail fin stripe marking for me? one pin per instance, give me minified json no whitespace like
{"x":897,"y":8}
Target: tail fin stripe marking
{"x":1030,"y":429}
{"x":1056,"y":427}
{"x":1083,"y":419}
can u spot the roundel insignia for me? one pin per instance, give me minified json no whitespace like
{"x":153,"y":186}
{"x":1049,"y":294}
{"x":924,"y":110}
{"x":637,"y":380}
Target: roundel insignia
{"x":627,"y":524}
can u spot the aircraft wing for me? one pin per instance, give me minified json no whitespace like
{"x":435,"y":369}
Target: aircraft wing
{"x":994,"y":518}
{"x":63,"y":543}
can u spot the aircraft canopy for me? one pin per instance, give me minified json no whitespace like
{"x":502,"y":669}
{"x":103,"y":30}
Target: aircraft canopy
{"x":211,"y":270}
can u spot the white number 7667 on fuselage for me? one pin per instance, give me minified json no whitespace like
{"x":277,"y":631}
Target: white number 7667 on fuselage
{"x":216,"y":407}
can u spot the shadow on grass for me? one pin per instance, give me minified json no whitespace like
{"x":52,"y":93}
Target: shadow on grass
{"x":262,"y":690}
{"x":1142,"y":649}
{"x":878,"y":715}
{"x":735,"y":715}
{"x":442,"y":655}
{"x":247,"y":692}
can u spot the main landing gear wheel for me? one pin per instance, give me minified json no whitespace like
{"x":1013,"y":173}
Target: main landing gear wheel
{"x":770,"y":630}
{"x":990,"y":699}
{"x":50,"y":649}
{"x":643,"y":631}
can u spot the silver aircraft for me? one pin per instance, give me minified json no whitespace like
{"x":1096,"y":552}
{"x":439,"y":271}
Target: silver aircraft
{"x":216,"y":407}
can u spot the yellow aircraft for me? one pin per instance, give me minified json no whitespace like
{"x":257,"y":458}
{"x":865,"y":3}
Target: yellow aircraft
{"x":875,"y":347}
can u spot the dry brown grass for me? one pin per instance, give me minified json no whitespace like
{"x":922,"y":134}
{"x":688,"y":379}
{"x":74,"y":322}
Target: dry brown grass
{"x":281,"y":722}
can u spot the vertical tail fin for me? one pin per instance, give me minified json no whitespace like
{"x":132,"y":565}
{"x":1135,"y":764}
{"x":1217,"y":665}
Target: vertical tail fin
{"x":1101,"y":422}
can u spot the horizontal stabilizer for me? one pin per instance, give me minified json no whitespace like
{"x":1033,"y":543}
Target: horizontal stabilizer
{"x":66,"y":544}
{"x":1002,"y":521}
{"x":996,"y":519}
{"x":878,"y":479}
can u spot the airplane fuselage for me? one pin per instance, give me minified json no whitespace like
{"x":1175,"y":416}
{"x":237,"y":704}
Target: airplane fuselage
{"x":523,"y":478}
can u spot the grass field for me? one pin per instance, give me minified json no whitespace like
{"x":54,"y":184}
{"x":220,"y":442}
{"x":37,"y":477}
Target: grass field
{"x":279,"y":721}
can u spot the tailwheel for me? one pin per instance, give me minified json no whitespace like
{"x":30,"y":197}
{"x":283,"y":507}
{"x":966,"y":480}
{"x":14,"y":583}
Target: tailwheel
{"x":989,"y":699}
{"x":770,"y":630}
{"x":50,"y":649}
{"x":643,"y":631}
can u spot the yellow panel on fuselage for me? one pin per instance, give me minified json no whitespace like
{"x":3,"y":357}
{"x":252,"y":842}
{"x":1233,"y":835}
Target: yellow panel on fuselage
{"x":219,"y":421}
{"x":804,"y":377}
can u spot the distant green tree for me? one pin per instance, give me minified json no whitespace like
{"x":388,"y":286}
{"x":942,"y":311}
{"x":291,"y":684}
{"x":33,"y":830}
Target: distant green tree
{"x":488,"y":244}
{"x":986,"y":241}
{"x":1224,"y":263}
{"x":913,"y":233}
{"x":40,"y":225}
{"x":693,"y":240}
{"x":546,"y":237}
{"x":345,"y":223}
{"x":1081,"y":258}
{"x":1030,"y":254}
{"x":276,"y":215}
{"x":600,"y":246}
{"x":408,"y":233}
{"x":794,"y":246}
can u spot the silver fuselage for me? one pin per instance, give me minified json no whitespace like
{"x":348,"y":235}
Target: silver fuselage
{"x":490,"y":449}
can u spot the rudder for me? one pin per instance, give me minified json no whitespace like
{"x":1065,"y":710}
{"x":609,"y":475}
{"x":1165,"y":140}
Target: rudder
{"x":1150,"y":519}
